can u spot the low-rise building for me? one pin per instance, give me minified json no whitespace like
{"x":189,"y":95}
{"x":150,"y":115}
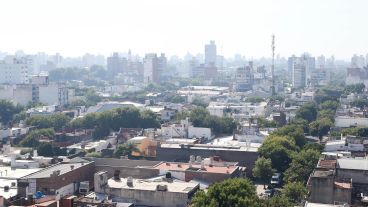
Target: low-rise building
{"x":60,"y":179}
{"x":165,"y":192}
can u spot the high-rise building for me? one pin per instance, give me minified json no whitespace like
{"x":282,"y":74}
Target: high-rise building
{"x":299,"y":69}
{"x":210,"y":54}
{"x":153,"y":67}
{"x":14,"y":70}
{"x":321,"y":61}
{"x":244,"y":78}
{"x":291,"y":61}
{"x":116,"y":64}
{"x":358,"y":61}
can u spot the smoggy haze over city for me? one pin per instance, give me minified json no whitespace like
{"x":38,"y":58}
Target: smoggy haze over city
{"x":329,"y":27}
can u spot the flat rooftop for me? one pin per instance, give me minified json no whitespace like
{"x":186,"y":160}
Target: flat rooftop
{"x":151,"y":185}
{"x":9,"y":176}
{"x":195,"y":167}
{"x":212,"y":147}
{"x":322,"y":173}
{"x":321,"y":205}
{"x":62,"y":167}
{"x":353,"y":163}
{"x":7,"y":172}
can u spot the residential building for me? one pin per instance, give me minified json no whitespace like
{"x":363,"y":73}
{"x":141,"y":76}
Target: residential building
{"x":245,"y":154}
{"x":59,"y":180}
{"x":116,"y":64}
{"x":210,"y":54}
{"x":165,"y":192}
{"x":185,"y":129}
{"x":299,"y":73}
{"x":244,"y":79}
{"x":14,"y":70}
{"x":153,"y":67}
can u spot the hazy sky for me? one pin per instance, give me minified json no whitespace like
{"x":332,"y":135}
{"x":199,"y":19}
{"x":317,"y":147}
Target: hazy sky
{"x":74,"y":27}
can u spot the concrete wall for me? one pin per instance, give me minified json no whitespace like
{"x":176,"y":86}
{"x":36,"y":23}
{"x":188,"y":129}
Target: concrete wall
{"x":50,"y":185}
{"x":345,"y":121}
{"x":321,"y":189}
{"x":357,"y":176}
{"x":125,"y":172}
{"x":199,"y":132}
{"x":152,"y":198}
{"x":342,"y":195}
{"x":244,"y":158}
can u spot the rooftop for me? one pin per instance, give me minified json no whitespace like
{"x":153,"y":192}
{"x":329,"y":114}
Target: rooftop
{"x":330,"y":164}
{"x":196,"y":167}
{"x":61,"y":168}
{"x":322,"y":173}
{"x":322,"y":205}
{"x":353,"y":163}
{"x":15,"y":173}
{"x":151,"y":185}
{"x":253,"y":147}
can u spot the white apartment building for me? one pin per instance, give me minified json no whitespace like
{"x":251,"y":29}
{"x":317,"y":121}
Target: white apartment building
{"x":14,"y":70}
{"x":39,"y":90}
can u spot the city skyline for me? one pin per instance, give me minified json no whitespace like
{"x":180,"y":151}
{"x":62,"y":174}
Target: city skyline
{"x":76,"y":28}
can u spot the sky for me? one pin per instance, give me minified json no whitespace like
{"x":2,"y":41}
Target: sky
{"x":75,"y":27}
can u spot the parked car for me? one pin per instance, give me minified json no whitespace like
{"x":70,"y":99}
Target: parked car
{"x":276,"y":179}
{"x":269,"y":193}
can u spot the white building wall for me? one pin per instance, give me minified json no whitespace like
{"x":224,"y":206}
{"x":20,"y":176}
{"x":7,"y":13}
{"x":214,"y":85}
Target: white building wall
{"x":66,"y":190}
{"x":346,"y":121}
{"x":199,"y":132}
{"x":49,"y":94}
{"x":23,"y":94}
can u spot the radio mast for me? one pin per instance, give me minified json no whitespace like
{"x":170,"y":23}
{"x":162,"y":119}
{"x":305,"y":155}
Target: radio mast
{"x":273,"y":64}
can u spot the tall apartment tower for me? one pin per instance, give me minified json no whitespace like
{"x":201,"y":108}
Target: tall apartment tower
{"x":210,"y":54}
{"x":150,"y":68}
{"x":14,"y":70}
{"x":299,"y":73}
{"x":116,"y":64}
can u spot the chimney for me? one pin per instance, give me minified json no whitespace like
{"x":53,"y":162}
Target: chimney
{"x":12,"y":161}
{"x":199,"y":159}
{"x":117,"y":175}
{"x":192,"y":158}
{"x":202,"y":165}
{"x":130,"y":181}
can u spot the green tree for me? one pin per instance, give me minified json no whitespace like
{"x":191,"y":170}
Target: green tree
{"x":280,"y":150}
{"x":329,"y":105}
{"x":198,"y":101}
{"x":56,"y":121}
{"x":234,"y":192}
{"x":320,"y":127}
{"x":308,"y":112}
{"x":264,"y":123}
{"x":360,"y":103}
{"x":263,"y":170}
{"x":326,"y":113}
{"x":354,"y":88}
{"x":8,"y":110}
{"x":278,"y":201}
{"x":296,"y":192}
{"x":32,"y":138}
{"x":302,"y":166}
{"x":125,"y":150}
{"x":45,"y":149}
{"x":293,"y":132}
